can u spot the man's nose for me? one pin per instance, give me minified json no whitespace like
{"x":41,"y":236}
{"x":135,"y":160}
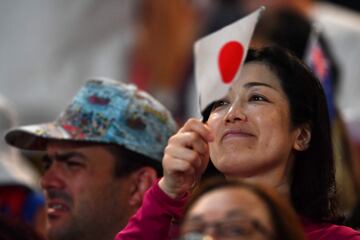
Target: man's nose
{"x":52,"y":178}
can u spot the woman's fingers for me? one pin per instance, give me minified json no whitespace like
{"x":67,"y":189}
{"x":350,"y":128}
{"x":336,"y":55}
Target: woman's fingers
{"x":195,"y":125}
{"x":185,"y":157}
{"x":187,"y":140}
{"x":188,"y":157}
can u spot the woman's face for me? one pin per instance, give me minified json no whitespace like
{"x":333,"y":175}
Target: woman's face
{"x":228,"y":213}
{"x":253,"y":134}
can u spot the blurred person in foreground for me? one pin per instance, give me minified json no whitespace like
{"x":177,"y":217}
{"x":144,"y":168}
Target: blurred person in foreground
{"x":12,"y":229}
{"x":239,"y":210}
{"x":102,"y":154}
{"x":21,"y":199}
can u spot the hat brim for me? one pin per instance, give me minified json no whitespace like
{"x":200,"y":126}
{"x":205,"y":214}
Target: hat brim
{"x":35,"y":137}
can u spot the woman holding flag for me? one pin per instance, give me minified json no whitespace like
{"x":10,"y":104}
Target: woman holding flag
{"x":271,"y":127}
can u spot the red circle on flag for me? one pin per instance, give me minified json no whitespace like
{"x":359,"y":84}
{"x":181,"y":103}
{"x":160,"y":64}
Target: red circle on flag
{"x":230,"y":57}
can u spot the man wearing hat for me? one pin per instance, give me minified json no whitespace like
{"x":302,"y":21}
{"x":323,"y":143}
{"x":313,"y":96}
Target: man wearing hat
{"x":102,"y":154}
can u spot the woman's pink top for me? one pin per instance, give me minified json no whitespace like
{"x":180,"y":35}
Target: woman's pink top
{"x":157,"y":219}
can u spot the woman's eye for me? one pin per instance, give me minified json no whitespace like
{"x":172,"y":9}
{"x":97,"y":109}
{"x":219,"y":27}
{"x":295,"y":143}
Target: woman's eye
{"x":257,"y":98}
{"x":218,"y":104}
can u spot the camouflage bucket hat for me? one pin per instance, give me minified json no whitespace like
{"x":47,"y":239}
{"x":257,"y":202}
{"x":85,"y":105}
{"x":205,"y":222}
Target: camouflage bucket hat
{"x":105,"y":111}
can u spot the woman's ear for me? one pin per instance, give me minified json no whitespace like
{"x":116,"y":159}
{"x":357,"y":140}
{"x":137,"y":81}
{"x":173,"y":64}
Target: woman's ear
{"x":303,"y":137}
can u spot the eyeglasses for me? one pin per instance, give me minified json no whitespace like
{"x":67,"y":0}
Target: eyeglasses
{"x":235,"y":229}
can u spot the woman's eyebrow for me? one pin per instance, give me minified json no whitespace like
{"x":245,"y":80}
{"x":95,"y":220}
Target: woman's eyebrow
{"x":254,"y":84}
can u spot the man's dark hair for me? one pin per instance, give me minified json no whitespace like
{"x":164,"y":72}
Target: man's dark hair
{"x":127,"y":161}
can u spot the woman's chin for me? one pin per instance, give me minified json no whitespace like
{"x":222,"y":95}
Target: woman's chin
{"x":236,"y":170}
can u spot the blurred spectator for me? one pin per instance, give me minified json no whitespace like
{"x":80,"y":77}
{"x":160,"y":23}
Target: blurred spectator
{"x":20,"y":197}
{"x":224,"y":13}
{"x":351,"y":4}
{"x":239,"y":210}
{"x":11,"y":229}
{"x":161,"y":57}
{"x":349,"y":165}
{"x":54,"y":46}
{"x":342,"y":29}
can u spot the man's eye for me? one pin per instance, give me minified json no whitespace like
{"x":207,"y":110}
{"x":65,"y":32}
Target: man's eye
{"x":46,"y":163}
{"x":73,"y":164}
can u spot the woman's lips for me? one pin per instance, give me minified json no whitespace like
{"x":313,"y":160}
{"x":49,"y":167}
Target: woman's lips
{"x":237,"y":133}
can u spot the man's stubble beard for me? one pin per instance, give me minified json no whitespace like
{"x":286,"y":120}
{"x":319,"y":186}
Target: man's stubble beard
{"x":69,"y":231}
{"x":94,"y":220}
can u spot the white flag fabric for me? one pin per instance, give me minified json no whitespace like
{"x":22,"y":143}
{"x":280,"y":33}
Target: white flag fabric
{"x":219,"y":57}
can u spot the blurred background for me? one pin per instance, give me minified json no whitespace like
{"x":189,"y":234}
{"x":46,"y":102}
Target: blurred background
{"x":49,"y":48}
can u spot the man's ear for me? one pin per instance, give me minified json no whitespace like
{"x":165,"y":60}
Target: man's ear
{"x":142,"y":180}
{"x":303,"y":137}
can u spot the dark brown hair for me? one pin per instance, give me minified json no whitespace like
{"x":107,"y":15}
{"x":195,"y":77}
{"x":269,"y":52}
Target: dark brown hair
{"x":283,"y":218}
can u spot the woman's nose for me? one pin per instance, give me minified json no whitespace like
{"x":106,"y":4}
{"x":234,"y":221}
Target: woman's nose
{"x":235,"y":113}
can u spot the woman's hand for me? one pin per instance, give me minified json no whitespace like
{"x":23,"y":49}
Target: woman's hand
{"x":185,"y":158}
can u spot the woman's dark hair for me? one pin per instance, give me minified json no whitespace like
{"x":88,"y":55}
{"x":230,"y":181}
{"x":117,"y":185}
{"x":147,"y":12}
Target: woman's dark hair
{"x":285,"y":223}
{"x":312,"y":186}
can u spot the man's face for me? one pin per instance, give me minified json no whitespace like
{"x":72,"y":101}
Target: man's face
{"x":84,"y":198}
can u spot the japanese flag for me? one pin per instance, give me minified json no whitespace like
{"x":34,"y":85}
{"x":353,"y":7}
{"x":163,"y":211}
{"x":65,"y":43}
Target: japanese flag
{"x":219,"y":57}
